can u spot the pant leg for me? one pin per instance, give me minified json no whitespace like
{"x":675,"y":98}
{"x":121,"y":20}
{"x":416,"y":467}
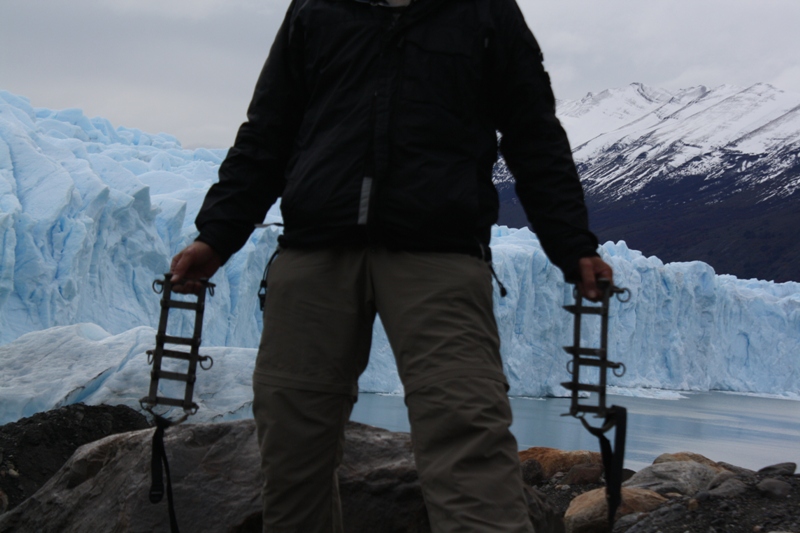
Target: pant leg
{"x":467,"y":458}
{"x":301,"y":438}
{"x":438,"y":315}
{"x":317,"y":333}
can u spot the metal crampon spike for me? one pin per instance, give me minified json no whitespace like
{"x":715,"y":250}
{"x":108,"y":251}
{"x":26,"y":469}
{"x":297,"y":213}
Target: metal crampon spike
{"x":583,"y":357}
{"x":157,"y":356}
{"x":615,"y":416}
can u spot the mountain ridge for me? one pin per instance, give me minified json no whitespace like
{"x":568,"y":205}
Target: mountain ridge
{"x":719,"y":167}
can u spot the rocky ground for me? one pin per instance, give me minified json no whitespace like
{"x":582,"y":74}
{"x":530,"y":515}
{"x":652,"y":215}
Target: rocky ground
{"x":752,"y":510}
{"x":33,"y":449}
{"x":687,"y":493}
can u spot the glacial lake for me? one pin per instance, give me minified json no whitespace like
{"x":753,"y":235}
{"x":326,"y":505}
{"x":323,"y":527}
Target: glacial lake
{"x":747,"y":431}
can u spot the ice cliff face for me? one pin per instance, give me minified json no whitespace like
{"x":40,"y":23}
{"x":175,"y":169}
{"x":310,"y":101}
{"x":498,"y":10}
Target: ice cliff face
{"x":91,"y":215}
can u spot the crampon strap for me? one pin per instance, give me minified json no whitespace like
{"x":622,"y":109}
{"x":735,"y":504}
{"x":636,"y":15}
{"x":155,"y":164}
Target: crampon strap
{"x":596,"y":359}
{"x":164,"y":350}
{"x":159,"y":460}
{"x":613,"y":460}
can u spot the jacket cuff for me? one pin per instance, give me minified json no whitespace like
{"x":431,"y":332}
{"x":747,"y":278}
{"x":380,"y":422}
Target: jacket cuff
{"x":221,"y":241}
{"x":571,"y":269}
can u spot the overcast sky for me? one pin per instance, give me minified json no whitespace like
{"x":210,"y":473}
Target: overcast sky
{"x":188,"y":67}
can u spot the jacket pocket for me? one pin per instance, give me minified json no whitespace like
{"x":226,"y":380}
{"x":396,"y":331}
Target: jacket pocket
{"x":441,"y":68}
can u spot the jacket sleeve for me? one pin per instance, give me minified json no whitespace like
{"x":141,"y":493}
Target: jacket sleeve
{"x":252,"y":176}
{"x":535,"y":146}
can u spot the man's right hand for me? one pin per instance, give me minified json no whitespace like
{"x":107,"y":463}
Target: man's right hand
{"x":196,"y":261}
{"x":592,"y":269}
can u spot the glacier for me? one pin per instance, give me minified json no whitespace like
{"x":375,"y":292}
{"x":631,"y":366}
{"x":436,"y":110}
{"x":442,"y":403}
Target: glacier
{"x":90,"y":216}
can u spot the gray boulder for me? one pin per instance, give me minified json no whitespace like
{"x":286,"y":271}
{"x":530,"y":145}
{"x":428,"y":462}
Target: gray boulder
{"x":729,"y":488}
{"x":378,"y":483}
{"x":780,"y":469}
{"x":216,"y":483}
{"x":743,"y":473}
{"x":683,"y":477}
{"x":775,"y":488}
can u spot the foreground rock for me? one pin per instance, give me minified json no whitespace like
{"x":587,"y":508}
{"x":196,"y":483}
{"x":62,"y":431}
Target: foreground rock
{"x":554,"y":461}
{"x":216,"y":482}
{"x":33,"y":449}
{"x":588,"y":513}
{"x":710,"y":497}
{"x":684,"y":477}
{"x":691,"y":493}
{"x":104,"y":486}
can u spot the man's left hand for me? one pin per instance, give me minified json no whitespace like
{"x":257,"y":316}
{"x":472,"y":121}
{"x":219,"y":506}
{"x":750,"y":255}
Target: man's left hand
{"x":592,"y":269}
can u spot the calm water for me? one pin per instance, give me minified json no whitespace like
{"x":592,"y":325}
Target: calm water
{"x":743,"y":430}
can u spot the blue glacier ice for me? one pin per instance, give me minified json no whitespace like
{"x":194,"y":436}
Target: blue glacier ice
{"x":90,"y":215}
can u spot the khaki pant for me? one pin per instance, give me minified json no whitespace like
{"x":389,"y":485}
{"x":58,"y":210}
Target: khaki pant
{"x":437,"y":312}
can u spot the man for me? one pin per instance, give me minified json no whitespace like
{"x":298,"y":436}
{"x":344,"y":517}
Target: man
{"x":377,"y":125}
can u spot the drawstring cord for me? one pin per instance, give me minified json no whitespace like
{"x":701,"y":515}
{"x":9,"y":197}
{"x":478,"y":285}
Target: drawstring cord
{"x":503,"y":291}
{"x":262,"y":289}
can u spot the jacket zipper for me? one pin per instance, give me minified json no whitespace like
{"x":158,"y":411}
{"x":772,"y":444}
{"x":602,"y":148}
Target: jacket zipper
{"x":373,"y":171}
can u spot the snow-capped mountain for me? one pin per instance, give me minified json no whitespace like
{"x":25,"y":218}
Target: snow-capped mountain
{"x":709,"y":174}
{"x":653,"y":135}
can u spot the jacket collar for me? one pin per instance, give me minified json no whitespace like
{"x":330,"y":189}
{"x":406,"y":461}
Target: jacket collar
{"x":381,"y":3}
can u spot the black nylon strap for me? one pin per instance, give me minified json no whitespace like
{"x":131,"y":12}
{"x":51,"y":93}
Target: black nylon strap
{"x":159,"y":459}
{"x":613,"y":460}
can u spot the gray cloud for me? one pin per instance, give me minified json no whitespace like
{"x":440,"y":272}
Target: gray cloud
{"x":191,"y":76}
{"x":188,"y":67}
{"x":592,"y":45}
